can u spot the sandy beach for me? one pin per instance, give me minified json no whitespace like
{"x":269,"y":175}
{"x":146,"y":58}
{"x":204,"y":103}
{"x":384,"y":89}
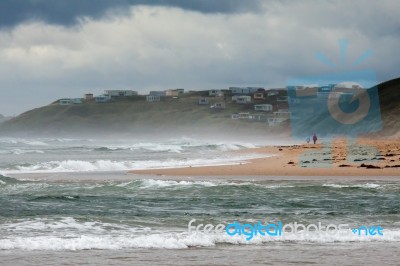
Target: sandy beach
{"x":339,"y":158}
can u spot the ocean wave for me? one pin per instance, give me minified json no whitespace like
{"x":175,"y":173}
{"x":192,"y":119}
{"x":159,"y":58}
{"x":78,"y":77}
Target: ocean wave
{"x":174,"y":147}
{"x":4,"y":180}
{"x":182,"y":240}
{"x":109,"y":165}
{"x":20,"y":151}
{"x":68,"y":225}
{"x":151,"y":183}
{"x":23,"y":141}
{"x":367,"y":185}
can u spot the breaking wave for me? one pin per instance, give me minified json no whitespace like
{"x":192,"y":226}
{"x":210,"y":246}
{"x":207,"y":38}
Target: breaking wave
{"x":109,"y":165}
{"x":106,"y":236}
{"x":367,"y":185}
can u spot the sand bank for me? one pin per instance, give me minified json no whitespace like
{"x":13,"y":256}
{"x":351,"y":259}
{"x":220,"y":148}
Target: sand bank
{"x":340,"y":158}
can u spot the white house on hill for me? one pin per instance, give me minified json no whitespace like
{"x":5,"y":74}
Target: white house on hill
{"x":157,"y":93}
{"x":102,"y":98}
{"x":241,"y":99}
{"x":218,"y":106}
{"x":203,"y":101}
{"x":153,"y":98}
{"x":71,"y":101}
{"x":263,"y":107}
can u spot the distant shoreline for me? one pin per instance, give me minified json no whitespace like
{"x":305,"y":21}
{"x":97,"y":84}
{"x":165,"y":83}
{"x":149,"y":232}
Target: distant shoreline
{"x":289,"y":162}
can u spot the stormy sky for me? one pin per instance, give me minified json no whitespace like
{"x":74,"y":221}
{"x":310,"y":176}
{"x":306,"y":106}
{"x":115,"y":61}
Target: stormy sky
{"x":54,"y":49}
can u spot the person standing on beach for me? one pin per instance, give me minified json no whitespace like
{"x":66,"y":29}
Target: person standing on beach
{"x":315,"y":138}
{"x":308,"y":140}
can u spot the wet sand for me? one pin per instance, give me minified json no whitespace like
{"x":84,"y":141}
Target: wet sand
{"x":366,"y":158}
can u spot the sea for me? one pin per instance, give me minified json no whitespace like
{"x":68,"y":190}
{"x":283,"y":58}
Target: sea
{"x":72,"y":202}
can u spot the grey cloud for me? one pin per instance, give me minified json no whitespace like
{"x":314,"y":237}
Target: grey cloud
{"x":153,"y":48}
{"x":67,"y":13}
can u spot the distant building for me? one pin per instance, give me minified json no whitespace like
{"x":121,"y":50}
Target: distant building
{"x":250,"y":117}
{"x":243,"y":90}
{"x":258,"y":117}
{"x":236,"y":90}
{"x":263,"y":107}
{"x":272,"y":93}
{"x":218,"y":106}
{"x":157,"y":93}
{"x":241,"y":116}
{"x":241,"y":99}
{"x":203,"y":101}
{"x":88,"y":97}
{"x":121,"y":93}
{"x":275,"y":121}
{"x":258,"y":96}
{"x":215,"y":93}
{"x":174,"y":93}
{"x":77,"y":100}
{"x":65,"y":102}
{"x":153,"y":98}
{"x":282,"y":113}
{"x":235,"y":116}
{"x":102,"y":98}
{"x":244,"y":115}
{"x":324,"y":91}
{"x":256,"y":89}
{"x":71,"y":101}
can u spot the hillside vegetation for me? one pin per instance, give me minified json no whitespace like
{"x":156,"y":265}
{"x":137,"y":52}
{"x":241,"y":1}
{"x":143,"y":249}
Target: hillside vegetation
{"x":172,"y":115}
{"x":135,"y":115}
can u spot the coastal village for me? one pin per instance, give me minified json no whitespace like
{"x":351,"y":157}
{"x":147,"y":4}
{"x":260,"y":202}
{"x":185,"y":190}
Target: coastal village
{"x":256,"y":104}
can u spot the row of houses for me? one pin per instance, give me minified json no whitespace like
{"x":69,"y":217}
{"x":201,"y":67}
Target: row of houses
{"x":156,"y":96}
{"x":274,"y":119}
{"x":241,"y":95}
{"x":245,"y":99}
{"x":107,"y":96}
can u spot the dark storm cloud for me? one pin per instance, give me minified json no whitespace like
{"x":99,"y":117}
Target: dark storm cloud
{"x":13,"y":12}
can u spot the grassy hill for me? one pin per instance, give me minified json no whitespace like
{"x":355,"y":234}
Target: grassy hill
{"x":171,"y":116}
{"x":135,"y":115}
{"x":389,"y":97}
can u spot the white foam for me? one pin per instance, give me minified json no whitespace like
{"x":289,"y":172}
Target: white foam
{"x":179,"y":147}
{"x":67,"y":224}
{"x":367,"y":185}
{"x":21,"y":151}
{"x":108,"y":165}
{"x":177,"y":240}
{"x":146,"y":183}
{"x":23,"y":141}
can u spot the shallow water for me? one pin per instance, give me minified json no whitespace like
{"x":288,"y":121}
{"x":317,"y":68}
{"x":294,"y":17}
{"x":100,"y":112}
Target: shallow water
{"x":112,"y":218}
{"x":152,"y":213}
